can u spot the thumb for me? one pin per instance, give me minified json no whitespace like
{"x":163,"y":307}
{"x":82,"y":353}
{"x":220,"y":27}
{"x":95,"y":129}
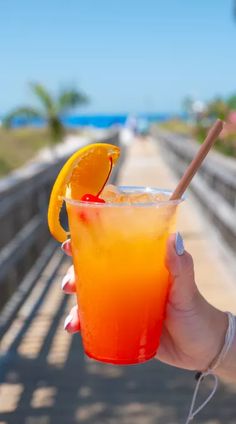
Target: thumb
{"x":181,"y":269}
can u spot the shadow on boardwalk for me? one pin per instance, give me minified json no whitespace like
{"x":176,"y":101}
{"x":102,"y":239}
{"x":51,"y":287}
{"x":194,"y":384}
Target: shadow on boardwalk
{"x":46,"y":379}
{"x":52,"y":382}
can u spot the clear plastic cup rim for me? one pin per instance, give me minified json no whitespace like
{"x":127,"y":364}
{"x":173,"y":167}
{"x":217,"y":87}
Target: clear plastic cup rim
{"x":131,"y":189}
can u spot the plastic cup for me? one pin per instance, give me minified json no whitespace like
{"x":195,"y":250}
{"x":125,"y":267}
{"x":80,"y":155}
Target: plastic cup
{"x":122,"y":282}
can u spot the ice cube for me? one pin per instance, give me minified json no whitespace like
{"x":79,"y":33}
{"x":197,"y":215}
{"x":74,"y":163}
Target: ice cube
{"x":161,"y":197}
{"x":110,"y":193}
{"x":141,"y":198}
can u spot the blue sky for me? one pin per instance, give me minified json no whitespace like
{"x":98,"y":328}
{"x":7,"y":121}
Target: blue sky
{"x":128,"y":55}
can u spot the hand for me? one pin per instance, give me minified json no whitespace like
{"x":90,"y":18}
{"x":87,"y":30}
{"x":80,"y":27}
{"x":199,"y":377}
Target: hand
{"x":71,"y":324}
{"x":193,"y":332}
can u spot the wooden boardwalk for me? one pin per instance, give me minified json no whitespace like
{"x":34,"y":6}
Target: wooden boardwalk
{"x":45,"y":377}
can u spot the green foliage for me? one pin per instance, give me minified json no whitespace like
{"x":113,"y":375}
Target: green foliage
{"x":177,"y":125}
{"x":16,"y":146}
{"x":232,"y":102}
{"x":217,"y":108}
{"x":220,"y":108}
{"x":227,"y":146}
{"x":69,"y":99}
{"x":50,"y":109}
{"x":4,"y":167}
{"x":26,"y":112}
{"x":56,"y":129}
{"x":44,"y":97}
{"x":200,"y":132}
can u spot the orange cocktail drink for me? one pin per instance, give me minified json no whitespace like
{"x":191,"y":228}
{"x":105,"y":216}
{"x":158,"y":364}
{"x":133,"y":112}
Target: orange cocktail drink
{"x":119,"y":254}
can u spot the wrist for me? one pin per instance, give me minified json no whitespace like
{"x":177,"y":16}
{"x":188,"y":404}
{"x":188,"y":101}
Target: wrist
{"x":227,"y":366}
{"x":216,"y":324}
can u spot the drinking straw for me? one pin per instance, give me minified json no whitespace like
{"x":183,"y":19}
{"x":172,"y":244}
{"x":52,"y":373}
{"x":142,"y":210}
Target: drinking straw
{"x":193,"y":167}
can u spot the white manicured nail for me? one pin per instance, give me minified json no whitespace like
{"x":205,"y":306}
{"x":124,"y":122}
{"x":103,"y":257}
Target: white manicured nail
{"x":179,"y":244}
{"x":65,"y":247}
{"x":65,"y":281}
{"x":67,"y":321}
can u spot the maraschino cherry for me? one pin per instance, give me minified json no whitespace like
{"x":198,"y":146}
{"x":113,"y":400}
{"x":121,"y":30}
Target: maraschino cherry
{"x":91,"y":198}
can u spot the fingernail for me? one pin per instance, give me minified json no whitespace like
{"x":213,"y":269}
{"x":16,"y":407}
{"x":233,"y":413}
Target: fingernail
{"x":67,"y":322}
{"x":179,"y":244}
{"x":65,"y":247}
{"x":65,"y":281}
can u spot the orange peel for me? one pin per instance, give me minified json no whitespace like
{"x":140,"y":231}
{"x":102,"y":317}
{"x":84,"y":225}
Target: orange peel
{"x":85,"y":171}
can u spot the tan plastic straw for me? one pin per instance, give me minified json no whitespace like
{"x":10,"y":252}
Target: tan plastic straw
{"x":193,"y":167}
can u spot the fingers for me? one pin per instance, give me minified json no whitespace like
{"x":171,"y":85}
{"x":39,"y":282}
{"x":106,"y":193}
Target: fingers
{"x":68,"y":282}
{"x":66,"y":247}
{"x":178,"y":261}
{"x":181,"y":268}
{"x":72,"y":324}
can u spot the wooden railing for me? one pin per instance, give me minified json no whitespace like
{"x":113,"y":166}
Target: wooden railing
{"x":214,"y":185}
{"x":25,"y":241}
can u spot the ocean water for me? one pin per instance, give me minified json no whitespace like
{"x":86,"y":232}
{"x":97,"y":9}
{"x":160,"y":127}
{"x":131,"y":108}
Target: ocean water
{"x":95,"y":121}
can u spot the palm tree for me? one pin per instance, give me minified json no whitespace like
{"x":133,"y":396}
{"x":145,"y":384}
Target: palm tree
{"x":51,"y":109}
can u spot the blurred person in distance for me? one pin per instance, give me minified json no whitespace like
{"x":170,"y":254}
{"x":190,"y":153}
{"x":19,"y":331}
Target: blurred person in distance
{"x":129,"y":130}
{"x":143,"y":128}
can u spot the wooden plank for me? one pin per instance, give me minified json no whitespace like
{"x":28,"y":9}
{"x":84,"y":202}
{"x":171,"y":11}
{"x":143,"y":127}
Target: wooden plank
{"x":23,"y":205}
{"x":17,"y":248}
{"x":217,"y":165}
{"x":214,"y":185}
{"x":22,"y":293}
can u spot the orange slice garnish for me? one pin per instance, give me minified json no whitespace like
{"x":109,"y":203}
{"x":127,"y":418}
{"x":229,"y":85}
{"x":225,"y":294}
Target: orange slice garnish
{"x":85,"y":171}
